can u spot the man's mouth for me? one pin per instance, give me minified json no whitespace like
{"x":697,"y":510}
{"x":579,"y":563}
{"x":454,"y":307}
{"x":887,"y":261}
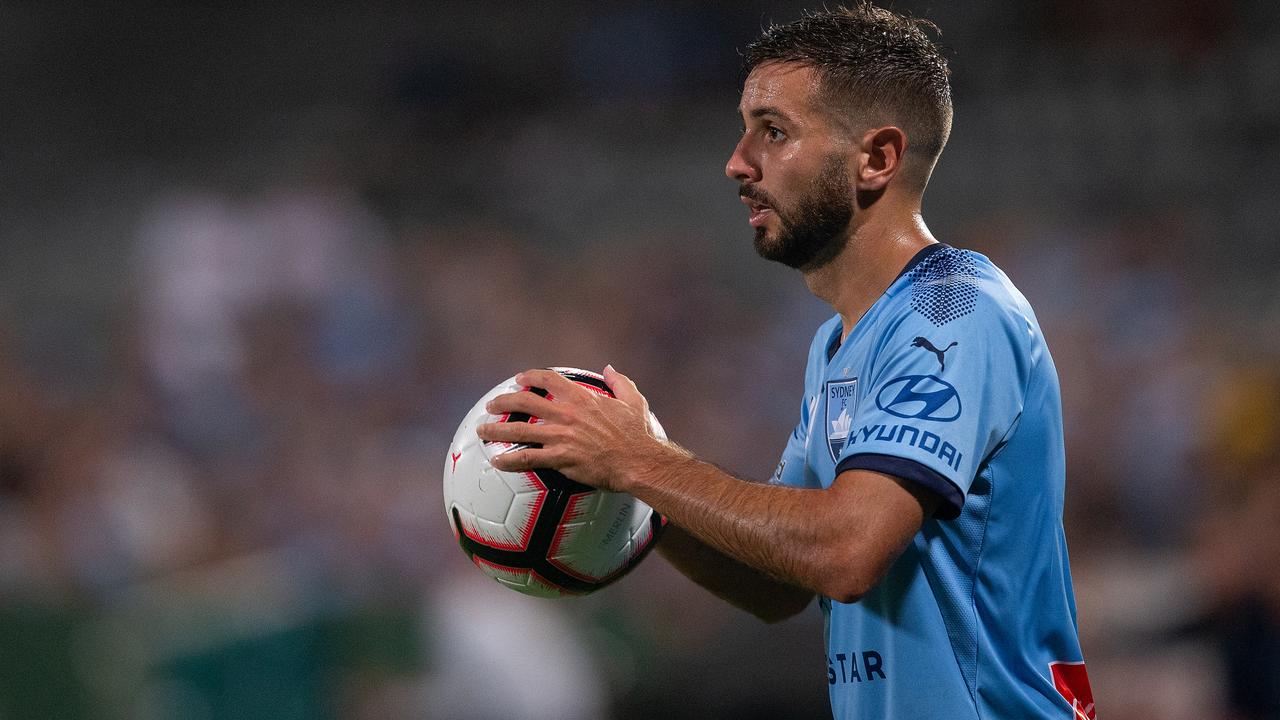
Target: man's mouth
{"x":759,"y":211}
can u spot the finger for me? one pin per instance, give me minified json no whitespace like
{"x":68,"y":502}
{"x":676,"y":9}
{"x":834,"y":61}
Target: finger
{"x":623,"y":388}
{"x":526,"y":402}
{"x":523,"y":459}
{"x":553,"y":382}
{"x":513,"y":432}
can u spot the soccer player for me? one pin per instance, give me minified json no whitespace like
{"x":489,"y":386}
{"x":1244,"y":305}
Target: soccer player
{"x":920,"y":495}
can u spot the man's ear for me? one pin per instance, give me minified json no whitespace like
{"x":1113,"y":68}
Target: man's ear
{"x":881,"y":158}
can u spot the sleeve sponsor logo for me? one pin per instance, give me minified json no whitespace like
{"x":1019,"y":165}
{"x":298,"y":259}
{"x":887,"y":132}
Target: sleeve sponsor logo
{"x":911,"y":436}
{"x":920,"y":397}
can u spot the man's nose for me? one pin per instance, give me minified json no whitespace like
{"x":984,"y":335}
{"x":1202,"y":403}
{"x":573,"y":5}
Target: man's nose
{"x":741,"y":166}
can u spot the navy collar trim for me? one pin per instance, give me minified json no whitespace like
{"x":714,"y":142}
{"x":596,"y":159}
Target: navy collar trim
{"x":915,"y":260}
{"x":920,"y":257}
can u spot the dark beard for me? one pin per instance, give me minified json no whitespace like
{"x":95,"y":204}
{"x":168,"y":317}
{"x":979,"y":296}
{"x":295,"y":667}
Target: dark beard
{"x":811,"y":235}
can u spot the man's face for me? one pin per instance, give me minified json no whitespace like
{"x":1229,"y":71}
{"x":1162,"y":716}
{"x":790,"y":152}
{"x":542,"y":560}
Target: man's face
{"x":791,"y":166}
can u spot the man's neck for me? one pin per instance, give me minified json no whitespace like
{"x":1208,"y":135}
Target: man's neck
{"x":873,"y":257}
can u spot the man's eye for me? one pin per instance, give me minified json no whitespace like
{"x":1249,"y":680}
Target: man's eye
{"x":774,"y":133}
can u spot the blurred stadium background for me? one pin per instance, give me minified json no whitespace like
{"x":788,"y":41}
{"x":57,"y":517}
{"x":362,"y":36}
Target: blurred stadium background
{"x":256,"y":262}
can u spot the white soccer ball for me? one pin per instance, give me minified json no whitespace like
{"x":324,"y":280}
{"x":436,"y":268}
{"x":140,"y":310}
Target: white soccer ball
{"x":539,"y":532}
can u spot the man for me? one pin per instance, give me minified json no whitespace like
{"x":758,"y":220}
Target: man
{"x":920,"y":495}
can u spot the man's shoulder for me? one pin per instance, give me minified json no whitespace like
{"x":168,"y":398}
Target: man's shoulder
{"x":952,"y":283}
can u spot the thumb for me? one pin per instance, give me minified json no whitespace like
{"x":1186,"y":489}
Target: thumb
{"x":623,"y":388}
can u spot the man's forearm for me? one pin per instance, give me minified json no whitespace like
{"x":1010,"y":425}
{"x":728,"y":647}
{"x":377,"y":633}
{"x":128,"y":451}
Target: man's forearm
{"x":797,"y":536}
{"x":838,"y":541}
{"x":741,"y":586}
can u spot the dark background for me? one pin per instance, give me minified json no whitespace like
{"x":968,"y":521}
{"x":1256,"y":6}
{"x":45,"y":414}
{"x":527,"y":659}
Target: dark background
{"x":256,"y":262}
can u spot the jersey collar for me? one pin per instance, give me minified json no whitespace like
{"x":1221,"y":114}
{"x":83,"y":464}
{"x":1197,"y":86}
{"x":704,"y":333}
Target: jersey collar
{"x":919,"y":257}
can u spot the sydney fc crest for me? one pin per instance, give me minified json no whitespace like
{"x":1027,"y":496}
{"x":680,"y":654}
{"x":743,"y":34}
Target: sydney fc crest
{"x":842,"y":402}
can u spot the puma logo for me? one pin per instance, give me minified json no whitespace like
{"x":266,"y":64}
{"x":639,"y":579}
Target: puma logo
{"x":455,"y":457}
{"x":942,"y":354}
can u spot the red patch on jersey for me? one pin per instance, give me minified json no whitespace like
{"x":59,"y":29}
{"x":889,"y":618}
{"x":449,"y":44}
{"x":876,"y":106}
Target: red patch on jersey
{"x":1072,"y":681}
{"x":455,"y":457}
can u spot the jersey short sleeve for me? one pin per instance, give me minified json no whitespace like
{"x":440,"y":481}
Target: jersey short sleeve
{"x":945,"y":387}
{"x":790,"y":469}
{"x":793,"y":469}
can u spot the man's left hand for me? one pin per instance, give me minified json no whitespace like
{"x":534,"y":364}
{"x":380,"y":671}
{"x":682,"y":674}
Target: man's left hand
{"x":591,"y":438}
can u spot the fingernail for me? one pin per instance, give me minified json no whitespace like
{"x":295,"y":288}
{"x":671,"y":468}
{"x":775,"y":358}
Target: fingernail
{"x":610,"y":368}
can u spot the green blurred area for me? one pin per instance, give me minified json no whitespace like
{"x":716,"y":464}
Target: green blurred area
{"x":70,"y":662}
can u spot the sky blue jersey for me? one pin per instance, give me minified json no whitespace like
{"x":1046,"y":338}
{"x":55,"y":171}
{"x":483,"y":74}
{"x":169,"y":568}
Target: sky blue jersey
{"x":947,"y":383}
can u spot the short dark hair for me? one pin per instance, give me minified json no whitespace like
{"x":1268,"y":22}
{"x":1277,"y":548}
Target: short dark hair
{"x":874,"y":65}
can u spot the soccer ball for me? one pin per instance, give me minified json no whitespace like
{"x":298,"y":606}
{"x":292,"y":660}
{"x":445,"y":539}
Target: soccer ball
{"x":539,"y":532}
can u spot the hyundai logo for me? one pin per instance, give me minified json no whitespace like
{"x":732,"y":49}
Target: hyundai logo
{"x":920,"y":397}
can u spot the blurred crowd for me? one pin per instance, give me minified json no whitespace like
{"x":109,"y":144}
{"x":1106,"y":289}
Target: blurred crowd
{"x":256,"y":265}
